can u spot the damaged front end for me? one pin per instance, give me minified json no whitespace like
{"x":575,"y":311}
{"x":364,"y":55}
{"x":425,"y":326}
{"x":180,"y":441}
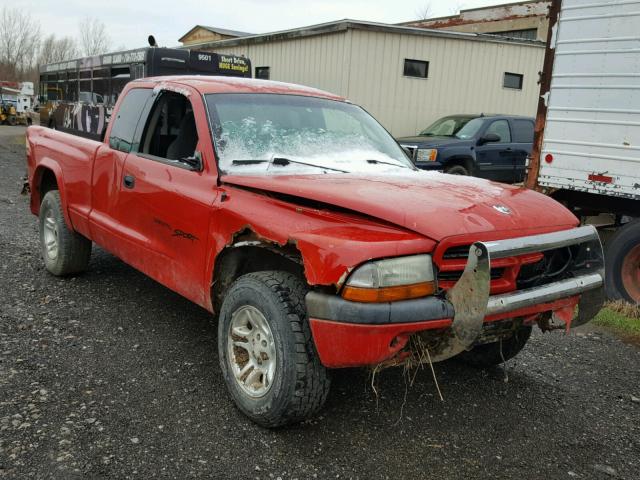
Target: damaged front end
{"x":354,"y":334}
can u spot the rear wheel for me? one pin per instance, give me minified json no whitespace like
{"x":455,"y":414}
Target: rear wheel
{"x":456,"y":170}
{"x":64,"y":251}
{"x":622,"y":263}
{"x":266,"y":351}
{"x":490,"y":354}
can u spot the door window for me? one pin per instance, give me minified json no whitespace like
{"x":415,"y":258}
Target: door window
{"x":170,"y":132}
{"x":523,"y":131}
{"x":500,"y":128}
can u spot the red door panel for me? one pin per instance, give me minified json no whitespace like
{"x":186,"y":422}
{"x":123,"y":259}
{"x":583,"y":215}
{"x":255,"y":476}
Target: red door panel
{"x":169,"y":208}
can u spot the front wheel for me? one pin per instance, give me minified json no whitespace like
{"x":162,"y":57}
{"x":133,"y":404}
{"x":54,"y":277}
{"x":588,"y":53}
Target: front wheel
{"x":491,"y":354}
{"x":266,"y":351}
{"x":457,"y":170}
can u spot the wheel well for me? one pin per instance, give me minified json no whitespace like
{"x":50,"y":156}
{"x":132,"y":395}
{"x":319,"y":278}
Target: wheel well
{"x":237,"y":260}
{"x":47,"y":182}
{"x":465,"y":162}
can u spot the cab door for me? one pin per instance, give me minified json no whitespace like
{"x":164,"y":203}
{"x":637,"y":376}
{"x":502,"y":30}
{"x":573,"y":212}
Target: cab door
{"x":495,"y":159}
{"x":105,"y":216}
{"x":522,"y":129}
{"x":167,"y":191}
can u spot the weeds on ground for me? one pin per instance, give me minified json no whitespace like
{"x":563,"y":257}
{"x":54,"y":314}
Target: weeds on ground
{"x":622,"y":317}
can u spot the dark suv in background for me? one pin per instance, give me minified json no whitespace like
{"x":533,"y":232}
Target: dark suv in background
{"x":487,"y":146}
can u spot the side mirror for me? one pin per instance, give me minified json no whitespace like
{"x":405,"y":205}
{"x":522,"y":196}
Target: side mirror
{"x":489,"y":138}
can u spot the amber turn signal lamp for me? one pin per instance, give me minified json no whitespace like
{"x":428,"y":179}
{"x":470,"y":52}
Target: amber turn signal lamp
{"x":388,"y":294}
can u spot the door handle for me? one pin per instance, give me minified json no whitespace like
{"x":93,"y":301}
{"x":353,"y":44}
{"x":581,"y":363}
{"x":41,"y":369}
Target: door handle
{"x":129,"y":181}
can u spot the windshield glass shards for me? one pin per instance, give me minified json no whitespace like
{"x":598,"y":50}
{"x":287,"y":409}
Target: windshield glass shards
{"x":314,"y":135}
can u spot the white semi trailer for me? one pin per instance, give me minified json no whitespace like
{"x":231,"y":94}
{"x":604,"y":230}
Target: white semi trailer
{"x":587,"y":146}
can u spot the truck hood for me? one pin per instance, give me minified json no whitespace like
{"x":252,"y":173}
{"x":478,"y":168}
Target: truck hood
{"x":432,"y":142}
{"x":433,"y":204}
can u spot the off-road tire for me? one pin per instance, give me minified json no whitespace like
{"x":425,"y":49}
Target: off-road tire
{"x":489,"y":354}
{"x":74,"y":250}
{"x":457,"y":170}
{"x":301,"y":383}
{"x":617,"y":250}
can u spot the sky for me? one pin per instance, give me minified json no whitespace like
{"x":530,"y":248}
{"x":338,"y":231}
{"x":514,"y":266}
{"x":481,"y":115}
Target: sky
{"x":129,"y":22}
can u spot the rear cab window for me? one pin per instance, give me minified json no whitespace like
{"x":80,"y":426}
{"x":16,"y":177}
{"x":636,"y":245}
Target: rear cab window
{"x":123,"y":130}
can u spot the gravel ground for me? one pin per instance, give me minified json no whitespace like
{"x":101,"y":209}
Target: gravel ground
{"x":110,"y":375}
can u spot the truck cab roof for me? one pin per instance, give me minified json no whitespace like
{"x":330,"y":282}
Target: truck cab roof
{"x":206,"y":84}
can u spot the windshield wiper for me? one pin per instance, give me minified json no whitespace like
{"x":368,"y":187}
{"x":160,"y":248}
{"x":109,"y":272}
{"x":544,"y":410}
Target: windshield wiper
{"x":283,"y":162}
{"x":380,"y":162}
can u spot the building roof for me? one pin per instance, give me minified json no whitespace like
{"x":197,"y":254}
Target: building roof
{"x":220,"y":31}
{"x":531,"y":8}
{"x":346,"y":24}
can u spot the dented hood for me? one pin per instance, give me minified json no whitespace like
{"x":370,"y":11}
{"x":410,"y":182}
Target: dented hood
{"x":430,"y":203}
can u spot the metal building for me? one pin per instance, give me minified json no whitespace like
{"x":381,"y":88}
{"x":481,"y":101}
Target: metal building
{"x":406,"y":77}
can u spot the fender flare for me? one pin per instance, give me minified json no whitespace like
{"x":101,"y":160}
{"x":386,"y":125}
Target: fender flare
{"x":36,"y":199}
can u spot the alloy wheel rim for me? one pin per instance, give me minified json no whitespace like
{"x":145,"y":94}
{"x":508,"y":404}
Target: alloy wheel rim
{"x":50,"y":236}
{"x":251,"y":351}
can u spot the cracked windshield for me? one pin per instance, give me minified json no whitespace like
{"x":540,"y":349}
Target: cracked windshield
{"x":285,"y":134}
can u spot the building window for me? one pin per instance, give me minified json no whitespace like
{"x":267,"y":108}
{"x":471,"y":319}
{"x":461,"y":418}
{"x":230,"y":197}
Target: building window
{"x":262,"y":72}
{"x":416,"y":68}
{"x":512,"y":80}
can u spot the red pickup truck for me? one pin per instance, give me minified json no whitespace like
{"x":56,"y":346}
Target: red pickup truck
{"x":292,"y":215}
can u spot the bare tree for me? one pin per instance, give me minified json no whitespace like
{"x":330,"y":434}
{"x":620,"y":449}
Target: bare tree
{"x":55,"y":49}
{"x":94,"y":39}
{"x":424,"y":12}
{"x":19,"y":41}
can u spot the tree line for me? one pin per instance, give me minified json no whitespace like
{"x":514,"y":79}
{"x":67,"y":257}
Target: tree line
{"x":23,"y":47}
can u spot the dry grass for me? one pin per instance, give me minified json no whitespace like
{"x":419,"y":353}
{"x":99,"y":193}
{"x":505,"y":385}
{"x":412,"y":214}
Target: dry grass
{"x":626,"y":309}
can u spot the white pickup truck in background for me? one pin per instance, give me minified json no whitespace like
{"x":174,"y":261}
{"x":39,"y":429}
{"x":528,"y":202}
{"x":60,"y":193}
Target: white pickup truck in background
{"x":587,"y":147}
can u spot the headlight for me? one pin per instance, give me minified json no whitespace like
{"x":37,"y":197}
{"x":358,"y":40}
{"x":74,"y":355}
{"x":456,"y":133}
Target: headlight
{"x":426,"y":155}
{"x":390,"y":280}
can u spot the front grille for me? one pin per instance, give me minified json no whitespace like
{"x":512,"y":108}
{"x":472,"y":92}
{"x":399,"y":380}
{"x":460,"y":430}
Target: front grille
{"x":457,"y":252}
{"x":454,"y":276}
{"x":557,"y":264}
{"x":504,"y":271}
{"x":412,"y":150}
{"x":511,"y":273}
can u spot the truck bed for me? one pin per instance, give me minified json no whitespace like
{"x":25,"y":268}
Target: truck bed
{"x":71,"y":158}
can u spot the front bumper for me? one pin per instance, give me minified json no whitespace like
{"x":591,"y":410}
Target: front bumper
{"x":435,"y":165}
{"x":352,"y":334}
